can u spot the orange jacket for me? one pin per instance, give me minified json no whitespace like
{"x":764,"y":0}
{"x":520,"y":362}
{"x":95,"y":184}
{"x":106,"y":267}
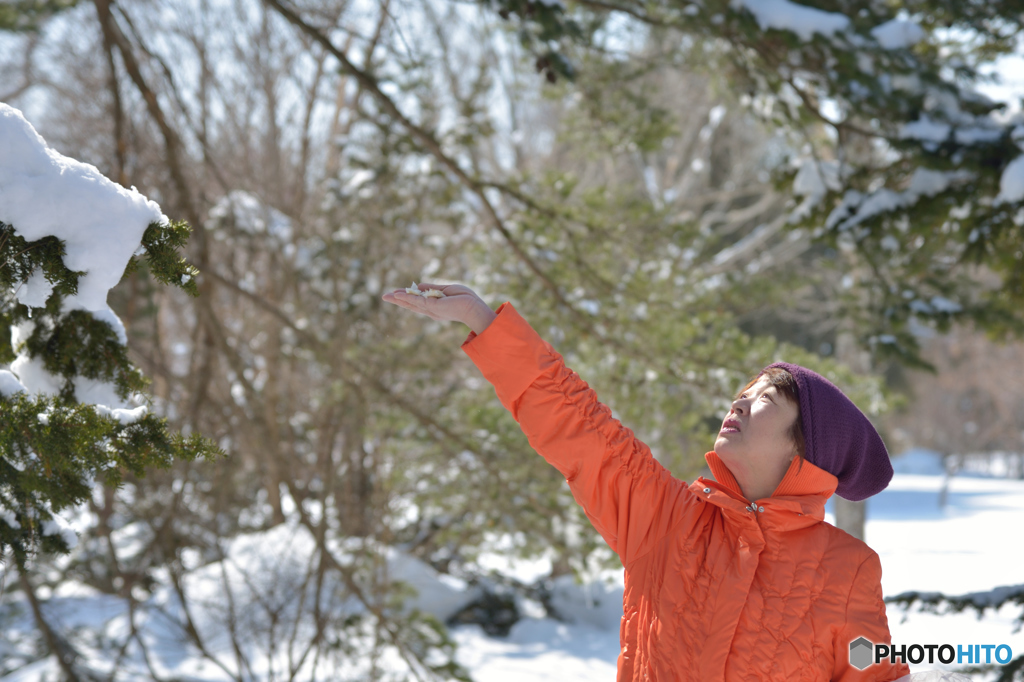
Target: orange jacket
{"x":716,"y":589}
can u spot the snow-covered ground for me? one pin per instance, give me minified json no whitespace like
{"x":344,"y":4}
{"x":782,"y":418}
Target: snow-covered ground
{"x":973,"y":543}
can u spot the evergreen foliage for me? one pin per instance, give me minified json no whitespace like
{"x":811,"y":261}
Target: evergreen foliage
{"x":28,"y":15}
{"x":902,"y":163}
{"x":54,"y":448}
{"x":161,"y":244}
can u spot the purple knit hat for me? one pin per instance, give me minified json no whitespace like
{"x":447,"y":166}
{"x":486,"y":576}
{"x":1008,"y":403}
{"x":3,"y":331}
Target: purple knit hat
{"x":839,"y":438}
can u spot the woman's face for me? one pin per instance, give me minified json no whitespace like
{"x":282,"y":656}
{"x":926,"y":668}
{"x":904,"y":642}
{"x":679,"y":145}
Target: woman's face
{"x":755,"y":441}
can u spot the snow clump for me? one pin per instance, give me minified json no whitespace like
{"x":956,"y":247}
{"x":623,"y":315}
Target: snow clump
{"x":790,"y":16}
{"x":52,"y":527}
{"x":898,"y":34}
{"x":813,"y":181}
{"x":43,"y":193}
{"x":8,"y":517}
{"x":429,"y":293}
{"x":857,"y":207}
{"x":9,"y":384}
{"x":926,"y":129}
{"x":1011,"y":184}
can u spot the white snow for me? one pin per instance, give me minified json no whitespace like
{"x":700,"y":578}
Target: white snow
{"x":35,"y":291}
{"x":540,"y":650}
{"x":9,"y":384}
{"x":926,"y":129}
{"x":715,"y":116}
{"x":44,"y":193}
{"x":926,"y":182}
{"x":966,"y":128}
{"x":905,"y":82}
{"x":34,"y":377}
{"x":8,"y":517}
{"x":1017,"y":135}
{"x":123,"y":414}
{"x":359,"y":178}
{"x":815,"y":178}
{"x":499,"y":555}
{"x":1011,"y":184}
{"x":975,"y":134}
{"x":812,"y":181}
{"x":856,"y":207}
{"x":31,"y":376}
{"x":789,"y":16}
{"x":597,"y":604}
{"x":898,"y":34}
{"x":247,"y":213}
{"x":106,"y":314}
{"x":54,"y":527}
{"x":282,"y":556}
{"x":429,"y":293}
{"x":441,"y":596}
{"x":95,"y":392}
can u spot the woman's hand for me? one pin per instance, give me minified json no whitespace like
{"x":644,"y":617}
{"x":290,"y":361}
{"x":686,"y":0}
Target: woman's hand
{"x":460,"y":304}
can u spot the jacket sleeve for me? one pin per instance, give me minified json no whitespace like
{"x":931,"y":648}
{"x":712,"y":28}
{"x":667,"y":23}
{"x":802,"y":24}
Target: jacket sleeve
{"x":865,"y":617}
{"x":630,"y":498}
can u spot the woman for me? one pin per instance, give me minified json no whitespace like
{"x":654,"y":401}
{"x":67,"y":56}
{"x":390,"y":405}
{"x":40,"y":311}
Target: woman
{"x":736,"y":578}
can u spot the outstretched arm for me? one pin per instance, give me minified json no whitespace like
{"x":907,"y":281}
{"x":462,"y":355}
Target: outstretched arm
{"x":629,"y":497}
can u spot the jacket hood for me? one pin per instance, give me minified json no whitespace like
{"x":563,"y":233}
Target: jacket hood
{"x":798,"y":500}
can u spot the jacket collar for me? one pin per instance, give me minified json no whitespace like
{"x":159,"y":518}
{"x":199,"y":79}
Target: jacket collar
{"x":798,"y":500}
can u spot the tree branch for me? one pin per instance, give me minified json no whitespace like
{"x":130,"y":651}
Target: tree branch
{"x":172,"y":143}
{"x":67,"y":657}
{"x":357,"y":377}
{"x":371,"y":85}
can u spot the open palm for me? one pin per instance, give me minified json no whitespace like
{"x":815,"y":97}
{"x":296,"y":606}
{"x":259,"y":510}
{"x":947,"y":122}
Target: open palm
{"x":459,"y":304}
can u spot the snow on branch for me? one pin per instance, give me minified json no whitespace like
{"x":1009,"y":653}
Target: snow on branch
{"x":936,"y":602}
{"x":43,"y":193}
{"x":898,"y":34}
{"x":805,"y":21}
{"x":100,"y":226}
{"x":789,"y":16}
{"x":857,"y":207}
{"x":1011,"y":184}
{"x":72,"y":409}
